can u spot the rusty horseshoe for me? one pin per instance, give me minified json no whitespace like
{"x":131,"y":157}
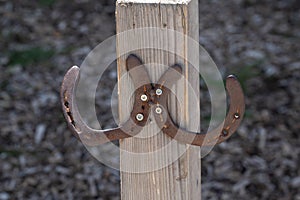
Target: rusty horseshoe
{"x":219,"y":134}
{"x":149,"y":97}
{"x":89,"y":136}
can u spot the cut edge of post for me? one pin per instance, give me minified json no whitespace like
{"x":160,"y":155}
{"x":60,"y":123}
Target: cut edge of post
{"x":182,"y":2}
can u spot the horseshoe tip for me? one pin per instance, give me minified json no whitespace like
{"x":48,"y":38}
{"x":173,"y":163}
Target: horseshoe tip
{"x":75,"y":67}
{"x":132,"y":56}
{"x":177,"y":67}
{"x":231,"y":77}
{"x":132,"y":61}
{"x":72,"y":72}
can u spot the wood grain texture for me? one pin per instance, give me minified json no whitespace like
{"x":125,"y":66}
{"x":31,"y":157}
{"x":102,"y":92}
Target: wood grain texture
{"x":156,"y":1}
{"x":182,"y":178}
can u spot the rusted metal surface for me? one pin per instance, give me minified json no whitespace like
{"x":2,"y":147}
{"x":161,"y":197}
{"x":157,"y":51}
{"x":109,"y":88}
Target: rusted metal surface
{"x":92,"y":137}
{"x":220,"y":134}
{"x":147,"y":97}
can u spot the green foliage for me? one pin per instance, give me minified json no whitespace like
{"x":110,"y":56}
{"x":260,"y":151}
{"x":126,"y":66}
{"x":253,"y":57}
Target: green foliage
{"x":30,"y":56}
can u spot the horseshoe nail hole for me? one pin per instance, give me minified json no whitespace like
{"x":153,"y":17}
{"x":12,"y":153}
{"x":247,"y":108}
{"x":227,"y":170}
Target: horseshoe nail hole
{"x":236,"y":115}
{"x":71,"y":118}
{"x":143,"y":107}
{"x":67,"y":104}
{"x":224,"y":132}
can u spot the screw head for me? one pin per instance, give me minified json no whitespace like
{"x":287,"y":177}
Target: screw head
{"x":158,"y":92}
{"x":224,"y":132}
{"x":139,"y":117}
{"x":158,"y":110}
{"x":144,"y":97}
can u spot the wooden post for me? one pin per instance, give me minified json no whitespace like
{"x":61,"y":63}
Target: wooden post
{"x":182,"y":178}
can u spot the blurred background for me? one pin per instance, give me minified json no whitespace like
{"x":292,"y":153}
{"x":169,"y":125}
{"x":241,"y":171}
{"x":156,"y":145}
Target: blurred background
{"x":258,"y":40}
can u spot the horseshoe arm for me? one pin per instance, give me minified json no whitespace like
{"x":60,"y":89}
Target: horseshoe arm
{"x":89,"y":136}
{"x":169,"y":78}
{"x":137,"y":71}
{"x":219,"y":134}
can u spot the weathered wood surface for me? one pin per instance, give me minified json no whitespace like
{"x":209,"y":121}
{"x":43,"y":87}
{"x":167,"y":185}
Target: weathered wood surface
{"x":182,"y":178}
